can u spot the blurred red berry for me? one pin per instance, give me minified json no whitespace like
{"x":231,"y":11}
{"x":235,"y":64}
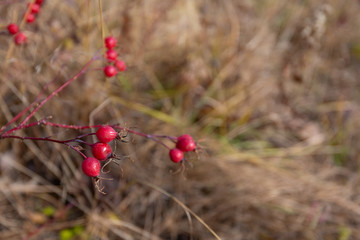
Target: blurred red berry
{"x":30,"y":18}
{"x":176,"y":155}
{"x":120,"y":65}
{"x":110,"y":71}
{"x":91,"y":167}
{"x":39,"y":2}
{"x":186,"y":143}
{"x":106,"y":134}
{"x":13,"y":28}
{"x":20,"y":38}
{"x":35,"y":8}
{"x":101,"y":151}
{"x":111,"y":54}
{"x":110,"y":42}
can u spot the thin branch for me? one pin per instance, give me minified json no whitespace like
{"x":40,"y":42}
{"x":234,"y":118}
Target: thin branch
{"x":32,"y":104}
{"x":57,"y":91}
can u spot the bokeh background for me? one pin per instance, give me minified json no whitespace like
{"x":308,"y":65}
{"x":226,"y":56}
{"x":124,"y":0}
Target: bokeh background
{"x":270,"y":90}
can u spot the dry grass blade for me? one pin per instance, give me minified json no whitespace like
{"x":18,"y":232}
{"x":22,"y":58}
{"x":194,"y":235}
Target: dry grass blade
{"x":146,"y":110}
{"x":183,"y":206}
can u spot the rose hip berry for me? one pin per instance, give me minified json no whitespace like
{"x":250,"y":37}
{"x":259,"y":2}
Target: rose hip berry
{"x":111,"y":54}
{"x":35,"y":8}
{"x":30,"y":18}
{"x":110,"y":71}
{"x":106,"y":134}
{"x":20,"y":38}
{"x":13,"y":28}
{"x":120,"y":65}
{"x":110,"y":42}
{"x":101,"y":151}
{"x":91,"y":167}
{"x":39,"y":2}
{"x":176,"y":155}
{"x":185,"y":143}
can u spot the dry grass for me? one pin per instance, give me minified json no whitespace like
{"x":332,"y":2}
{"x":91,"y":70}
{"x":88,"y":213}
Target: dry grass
{"x":270,"y":89}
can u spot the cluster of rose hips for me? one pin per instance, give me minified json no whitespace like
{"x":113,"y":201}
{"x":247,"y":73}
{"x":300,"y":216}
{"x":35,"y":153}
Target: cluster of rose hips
{"x":185,"y":143}
{"x":33,"y":9}
{"x":115,"y":64}
{"x":102,"y":151}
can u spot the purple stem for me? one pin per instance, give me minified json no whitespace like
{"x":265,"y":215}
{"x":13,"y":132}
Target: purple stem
{"x":48,"y":139}
{"x":77,"y":150}
{"x":32,"y":104}
{"x":149,"y":136}
{"x":82,"y":71}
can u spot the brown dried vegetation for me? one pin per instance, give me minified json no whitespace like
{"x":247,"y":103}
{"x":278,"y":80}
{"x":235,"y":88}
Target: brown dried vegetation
{"x":270,"y":90}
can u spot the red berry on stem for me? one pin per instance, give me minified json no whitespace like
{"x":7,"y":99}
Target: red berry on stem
{"x":39,"y":2}
{"x":176,"y":155}
{"x":101,"y":151}
{"x":20,"y":38}
{"x":13,"y":28}
{"x":91,"y":167}
{"x":186,"y":143}
{"x":35,"y":8}
{"x":110,"y":71}
{"x":106,"y":134}
{"x":30,"y":18}
{"x":110,"y":42}
{"x":120,"y":65}
{"x":111,"y":54}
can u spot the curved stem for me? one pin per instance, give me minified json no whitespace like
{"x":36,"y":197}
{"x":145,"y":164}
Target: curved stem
{"x":82,"y":71}
{"x":48,"y":139}
{"x":33,"y":103}
{"x":149,"y":136}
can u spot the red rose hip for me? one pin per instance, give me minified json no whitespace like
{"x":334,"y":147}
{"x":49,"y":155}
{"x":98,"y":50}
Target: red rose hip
{"x":91,"y":167}
{"x":120,"y":65}
{"x":20,"y":38}
{"x":176,"y":155}
{"x":13,"y":28}
{"x":30,"y":18}
{"x":35,"y":8}
{"x":185,"y":143}
{"x":106,"y":134}
{"x":101,"y":151}
{"x":110,"y":42}
{"x":111,"y":55}
{"x":110,"y":71}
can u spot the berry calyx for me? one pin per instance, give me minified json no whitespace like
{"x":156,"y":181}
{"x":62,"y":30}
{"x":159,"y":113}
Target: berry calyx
{"x":186,"y":143}
{"x":20,"y":38}
{"x":120,"y":65}
{"x":110,"y":71}
{"x":101,"y":151}
{"x":106,"y":134}
{"x":91,"y":167}
{"x":110,"y":42}
{"x":176,"y":155}
{"x":13,"y":28}
{"x":30,"y":18}
{"x":111,"y":54}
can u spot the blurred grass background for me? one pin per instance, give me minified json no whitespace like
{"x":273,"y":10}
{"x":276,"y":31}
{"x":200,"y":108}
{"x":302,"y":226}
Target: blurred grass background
{"x":269,"y":89}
